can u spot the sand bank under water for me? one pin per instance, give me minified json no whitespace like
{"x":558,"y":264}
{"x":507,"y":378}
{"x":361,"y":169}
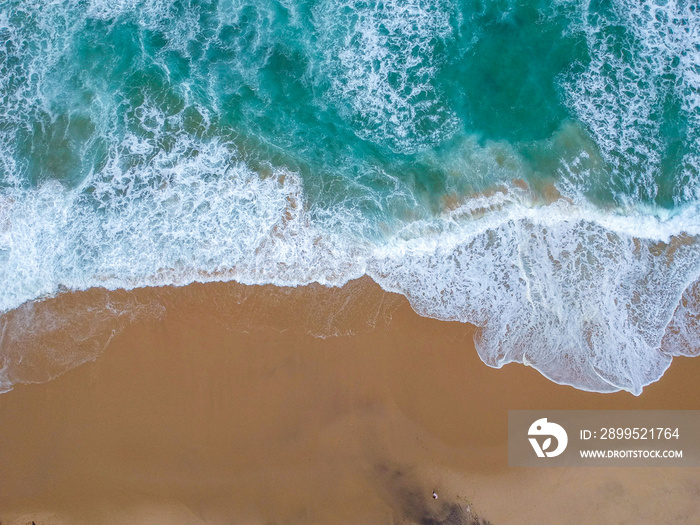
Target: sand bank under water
{"x":222,"y":408}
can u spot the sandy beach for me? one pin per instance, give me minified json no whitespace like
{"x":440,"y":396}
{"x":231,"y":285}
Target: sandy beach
{"x":234,"y":404}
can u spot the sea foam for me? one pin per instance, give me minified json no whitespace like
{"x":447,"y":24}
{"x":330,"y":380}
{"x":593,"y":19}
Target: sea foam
{"x":581,"y":295}
{"x":644,"y":58}
{"x":381,"y":58}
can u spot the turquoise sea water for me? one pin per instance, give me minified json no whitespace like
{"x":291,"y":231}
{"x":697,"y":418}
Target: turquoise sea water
{"x":532,"y":167}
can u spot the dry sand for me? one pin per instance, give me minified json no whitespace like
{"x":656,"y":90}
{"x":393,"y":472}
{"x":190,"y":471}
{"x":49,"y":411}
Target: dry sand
{"x":224,"y":409}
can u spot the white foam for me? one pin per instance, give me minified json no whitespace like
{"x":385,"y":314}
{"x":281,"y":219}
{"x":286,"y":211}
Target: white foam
{"x":682,"y":336}
{"x":583,"y":296}
{"x":642,"y":53}
{"x":380,"y":61}
{"x":150,"y":12}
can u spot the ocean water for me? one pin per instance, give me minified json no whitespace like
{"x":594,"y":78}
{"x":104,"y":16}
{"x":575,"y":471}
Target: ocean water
{"x":529,"y":166}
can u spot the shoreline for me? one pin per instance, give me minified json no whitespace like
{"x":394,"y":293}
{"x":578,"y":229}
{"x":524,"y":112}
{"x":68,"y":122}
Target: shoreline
{"x":223,"y":407}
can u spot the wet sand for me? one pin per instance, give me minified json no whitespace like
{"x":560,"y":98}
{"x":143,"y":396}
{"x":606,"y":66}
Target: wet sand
{"x":219,"y":406}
